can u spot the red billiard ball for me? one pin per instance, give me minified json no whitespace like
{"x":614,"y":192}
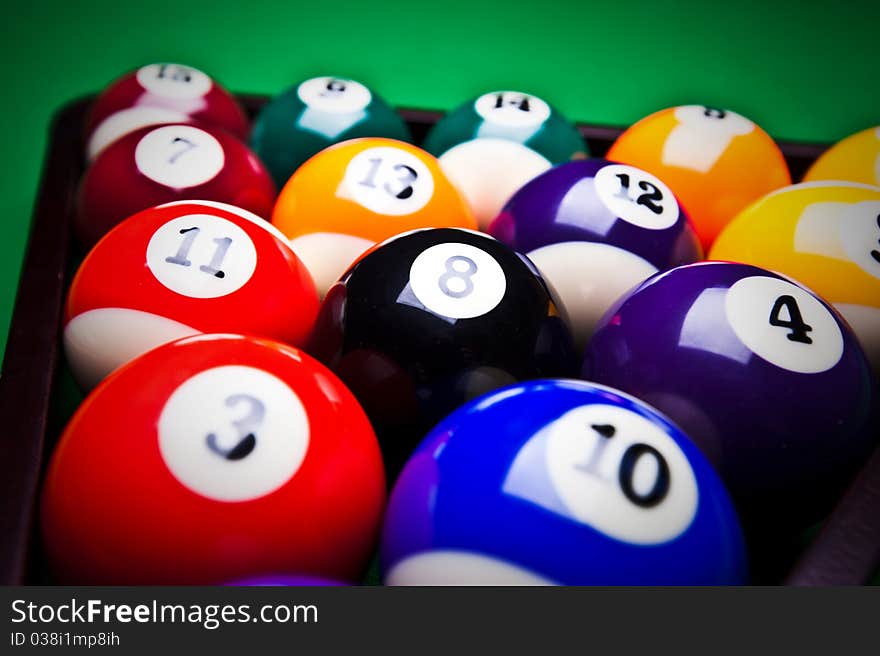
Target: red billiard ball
{"x":161,"y":93}
{"x":210,"y":459}
{"x":181,"y":269}
{"x":159,"y":164}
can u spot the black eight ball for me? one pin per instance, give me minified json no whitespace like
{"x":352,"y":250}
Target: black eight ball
{"x":433,"y":318}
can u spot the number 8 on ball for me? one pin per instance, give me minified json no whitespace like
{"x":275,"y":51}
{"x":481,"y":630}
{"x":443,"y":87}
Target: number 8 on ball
{"x":457,"y":281}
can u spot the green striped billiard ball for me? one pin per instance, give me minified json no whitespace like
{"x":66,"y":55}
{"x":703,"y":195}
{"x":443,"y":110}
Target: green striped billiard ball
{"x":492,"y":145}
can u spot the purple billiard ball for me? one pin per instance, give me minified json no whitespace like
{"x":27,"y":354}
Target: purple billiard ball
{"x":286,"y":580}
{"x":595,"y":229}
{"x":761,"y":373}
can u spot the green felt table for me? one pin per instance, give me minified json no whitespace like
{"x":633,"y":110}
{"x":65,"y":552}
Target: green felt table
{"x":803,"y":70}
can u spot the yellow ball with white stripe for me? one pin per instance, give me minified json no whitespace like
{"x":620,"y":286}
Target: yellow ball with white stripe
{"x":825,"y":235}
{"x":855,"y":159}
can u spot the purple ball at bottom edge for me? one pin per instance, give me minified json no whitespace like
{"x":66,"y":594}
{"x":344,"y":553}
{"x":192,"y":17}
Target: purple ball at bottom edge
{"x":764,"y":376}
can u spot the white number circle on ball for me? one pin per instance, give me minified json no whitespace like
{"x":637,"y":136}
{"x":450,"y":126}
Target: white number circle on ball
{"x":388,"y":181}
{"x":636,"y":196}
{"x":201,"y":256}
{"x":458,"y":281}
{"x":512,"y":109}
{"x":233,"y":433}
{"x":784,"y":324}
{"x":179,"y":156}
{"x":860,"y":235}
{"x":334,"y":95}
{"x":611,"y":469}
{"x":174,"y":81}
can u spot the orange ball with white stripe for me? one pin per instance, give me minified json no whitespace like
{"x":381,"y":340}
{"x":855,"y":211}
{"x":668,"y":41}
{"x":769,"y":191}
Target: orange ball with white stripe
{"x":825,"y":235}
{"x":715,"y":161}
{"x":355,"y":194}
{"x":855,"y":159}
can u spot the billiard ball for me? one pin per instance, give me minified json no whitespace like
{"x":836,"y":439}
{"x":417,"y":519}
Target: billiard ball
{"x":596,"y":229}
{"x":160,"y":164}
{"x":182,"y":269}
{"x":318,"y":113}
{"x":489,"y":171}
{"x":433,"y":318}
{"x":827,"y":236}
{"x":856,"y":159}
{"x":715,"y":160}
{"x":761,"y":373}
{"x":211,"y":459}
{"x":559,"y":482}
{"x":492,"y":145}
{"x":355,"y":194}
{"x":513,"y":116}
{"x":160,"y":93}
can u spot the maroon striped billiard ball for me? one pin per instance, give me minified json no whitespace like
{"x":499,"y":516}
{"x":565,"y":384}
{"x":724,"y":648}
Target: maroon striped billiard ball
{"x":161,"y":93}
